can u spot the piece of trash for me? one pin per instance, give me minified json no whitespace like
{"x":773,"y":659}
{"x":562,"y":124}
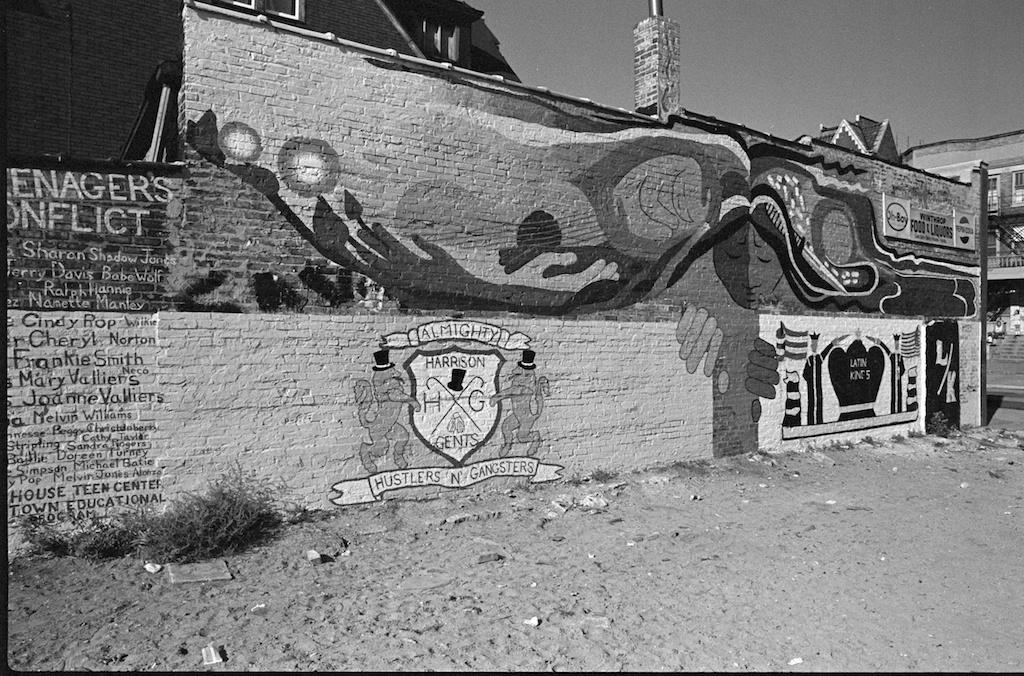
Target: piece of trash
{"x":593,"y":556}
{"x":964,"y":485}
{"x":631,"y":544}
{"x":212,"y":655}
{"x":458,"y":518}
{"x":762,"y":485}
{"x":615,"y":520}
{"x":795,"y":661}
{"x":198,"y":572}
{"x":153,"y":567}
{"x":347,"y":552}
{"x":995,"y":473}
{"x":593,"y":501}
{"x":313,"y":556}
{"x":696,"y":497}
{"x":599,"y":621}
{"x":532,"y":622}
{"x":895,"y":469}
{"x":487,"y":558}
{"x":259,"y":609}
{"x":425,"y":580}
{"x":562,"y":503}
{"x":830,"y":502}
{"x":796,"y":475}
{"x":557,"y":538}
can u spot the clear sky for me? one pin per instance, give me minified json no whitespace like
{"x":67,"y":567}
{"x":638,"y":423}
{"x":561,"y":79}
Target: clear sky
{"x":937,"y":69}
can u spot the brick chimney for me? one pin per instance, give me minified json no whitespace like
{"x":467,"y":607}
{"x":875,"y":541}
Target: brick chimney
{"x":656,"y":63}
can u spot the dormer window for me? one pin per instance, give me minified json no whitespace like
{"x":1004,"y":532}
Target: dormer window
{"x":441,"y":41}
{"x":284,"y":9}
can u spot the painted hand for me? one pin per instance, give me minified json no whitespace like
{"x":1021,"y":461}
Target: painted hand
{"x":698,"y":335}
{"x":762,"y":375}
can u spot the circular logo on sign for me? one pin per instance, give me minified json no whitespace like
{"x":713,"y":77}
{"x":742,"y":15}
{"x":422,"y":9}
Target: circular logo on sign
{"x":896,"y":217}
{"x":965,"y":223}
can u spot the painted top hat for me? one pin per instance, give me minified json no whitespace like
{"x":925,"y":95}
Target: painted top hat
{"x":527,"y":361}
{"x":382,"y":361}
{"x":456,"y":384}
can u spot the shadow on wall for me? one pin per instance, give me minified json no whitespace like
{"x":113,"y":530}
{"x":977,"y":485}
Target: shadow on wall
{"x":189,"y":299}
{"x":273,"y":291}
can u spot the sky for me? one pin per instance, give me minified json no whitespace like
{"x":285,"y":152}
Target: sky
{"x":937,"y":69}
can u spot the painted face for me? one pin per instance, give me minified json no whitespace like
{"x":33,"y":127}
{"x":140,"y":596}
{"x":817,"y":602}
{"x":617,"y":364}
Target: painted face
{"x":748,"y":267}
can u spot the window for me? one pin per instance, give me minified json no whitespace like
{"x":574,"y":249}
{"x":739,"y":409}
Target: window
{"x":440,"y":41}
{"x":286,"y":9}
{"x":993,"y":193}
{"x":1018,"y":187}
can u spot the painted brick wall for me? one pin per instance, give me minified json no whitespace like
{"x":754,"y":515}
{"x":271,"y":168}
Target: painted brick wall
{"x":624,"y":283}
{"x":656,"y":64}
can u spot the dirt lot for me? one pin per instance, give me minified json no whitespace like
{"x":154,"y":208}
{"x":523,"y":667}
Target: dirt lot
{"x":904,"y":556}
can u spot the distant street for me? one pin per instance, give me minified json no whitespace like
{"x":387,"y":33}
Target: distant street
{"x":1005,"y":394}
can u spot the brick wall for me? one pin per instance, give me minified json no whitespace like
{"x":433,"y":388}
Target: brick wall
{"x":656,"y":63}
{"x":77,"y":72}
{"x":568,"y":287}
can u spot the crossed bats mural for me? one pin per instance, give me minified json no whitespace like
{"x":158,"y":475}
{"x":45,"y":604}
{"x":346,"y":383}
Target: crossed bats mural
{"x":605,"y":211}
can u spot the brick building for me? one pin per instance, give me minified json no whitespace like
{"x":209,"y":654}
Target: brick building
{"x":1003,"y":155}
{"x":570,"y":286}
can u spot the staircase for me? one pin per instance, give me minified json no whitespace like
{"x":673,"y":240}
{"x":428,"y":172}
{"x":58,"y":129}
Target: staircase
{"x":1007,"y":348}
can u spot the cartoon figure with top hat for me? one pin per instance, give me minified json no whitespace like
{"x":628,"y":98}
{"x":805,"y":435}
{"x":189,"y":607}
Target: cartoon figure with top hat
{"x":525,"y":392}
{"x":381,"y":401}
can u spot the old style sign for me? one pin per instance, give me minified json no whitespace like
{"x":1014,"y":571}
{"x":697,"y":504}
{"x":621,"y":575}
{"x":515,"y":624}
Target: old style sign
{"x":454,"y":389}
{"x":907,"y":221}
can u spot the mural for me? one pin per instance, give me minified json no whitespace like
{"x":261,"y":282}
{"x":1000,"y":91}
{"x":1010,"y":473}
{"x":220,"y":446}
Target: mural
{"x":650,"y":201}
{"x":601,"y":211}
{"x":81,"y":387}
{"x":89,"y":240}
{"x":452,"y":397}
{"x":943,"y":368}
{"x":852,"y":382}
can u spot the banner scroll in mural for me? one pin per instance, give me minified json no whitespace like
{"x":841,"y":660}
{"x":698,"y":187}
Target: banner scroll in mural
{"x":457,"y":330}
{"x":371,"y":488}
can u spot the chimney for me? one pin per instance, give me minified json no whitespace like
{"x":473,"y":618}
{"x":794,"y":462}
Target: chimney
{"x":656,"y":63}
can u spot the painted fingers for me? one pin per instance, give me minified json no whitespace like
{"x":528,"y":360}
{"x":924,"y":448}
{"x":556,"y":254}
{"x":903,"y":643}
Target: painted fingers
{"x":698,"y":335}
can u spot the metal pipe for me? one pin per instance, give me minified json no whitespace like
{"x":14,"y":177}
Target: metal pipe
{"x":656,"y":8}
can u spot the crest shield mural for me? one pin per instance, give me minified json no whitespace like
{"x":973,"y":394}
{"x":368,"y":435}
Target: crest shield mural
{"x":453,"y":399}
{"x":454,"y":388}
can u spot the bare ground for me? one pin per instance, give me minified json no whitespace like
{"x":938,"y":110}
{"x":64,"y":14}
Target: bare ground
{"x":904,"y":556}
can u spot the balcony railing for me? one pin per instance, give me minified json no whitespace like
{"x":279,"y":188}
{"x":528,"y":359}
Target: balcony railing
{"x":1006,"y":260}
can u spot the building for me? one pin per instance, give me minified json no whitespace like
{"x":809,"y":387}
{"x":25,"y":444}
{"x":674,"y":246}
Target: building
{"x":84,"y":82}
{"x":570,"y":286}
{"x":1004,"y":156}
{"x":862,"y":135}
